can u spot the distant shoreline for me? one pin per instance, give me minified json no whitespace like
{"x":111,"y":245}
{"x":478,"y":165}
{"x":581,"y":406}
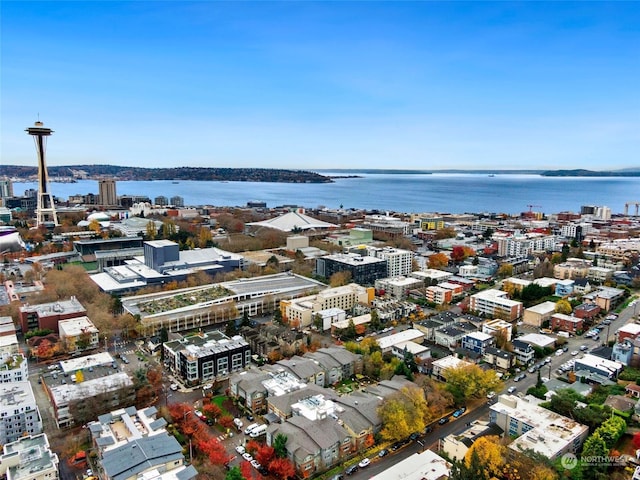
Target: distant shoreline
{"x":270,"y":175}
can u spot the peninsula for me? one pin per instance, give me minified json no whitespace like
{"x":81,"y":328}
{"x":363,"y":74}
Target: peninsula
{"x":178,"y":173}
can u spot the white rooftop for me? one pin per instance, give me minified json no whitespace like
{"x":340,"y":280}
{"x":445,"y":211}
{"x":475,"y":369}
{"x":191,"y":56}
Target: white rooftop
{"x":631,"y":328}
{"x":538,"y":339}
{"x":426,"y":465}
{"x":281,"y":383}
{"x":410,"y":334}
{"x":76,"y":326}
{"x":95,"y":360}
{"x":68,"y":392}
{"x":543,"y":308}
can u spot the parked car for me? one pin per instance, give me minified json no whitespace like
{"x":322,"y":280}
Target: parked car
{"x":351,"y":470}
{"x":255,"y":464}
{"x":511,"y":389}
{"x":491,"y":394}
{"x":364,"y":463}
{"x":247,"y":456}
{"x":443,"y":420}
{"x":583,"y":348}
{"x":174,"y":386}
{"x":240,"y":449}
{"x":383,"y":453}
{"x":414,"y":436}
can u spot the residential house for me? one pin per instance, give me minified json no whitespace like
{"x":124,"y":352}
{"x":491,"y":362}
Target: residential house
{"x":477,"y":342}
{"x":523,"y":352}
{"x":564,"y":287}
{"x":500,"y":359}
{"x":498,"y":328}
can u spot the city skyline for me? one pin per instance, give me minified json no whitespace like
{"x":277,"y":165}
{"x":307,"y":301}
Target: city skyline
{"x":310,"y":85}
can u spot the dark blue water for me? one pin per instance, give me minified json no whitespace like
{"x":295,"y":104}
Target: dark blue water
{"x":452,"y":193}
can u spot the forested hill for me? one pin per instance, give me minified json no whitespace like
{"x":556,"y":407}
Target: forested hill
{"x":180,"y":173}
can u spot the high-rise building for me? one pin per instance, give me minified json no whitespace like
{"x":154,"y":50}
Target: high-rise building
{"x":107,"y":192}
{"x":46,"y":209}
{"x":177,"y":201}
{"x":6,"y":189}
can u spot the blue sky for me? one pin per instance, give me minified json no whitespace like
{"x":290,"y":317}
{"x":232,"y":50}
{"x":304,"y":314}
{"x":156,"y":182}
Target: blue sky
{"x":311,"y":85}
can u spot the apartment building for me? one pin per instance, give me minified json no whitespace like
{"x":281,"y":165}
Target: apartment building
{"x":47,"y":315}
{"x":495,"y":303}
{"x":537,"y":428}
{"x":202,"y":357}
{"x":365,"y":270}
{"x":397,"y":287}
{"x":399,"y":262}
{"x":29,"y":458}
{"x":19,"y":415}
{"x":13,"y":368}
{"x":300,"y":311}
{"x":571,"y":269}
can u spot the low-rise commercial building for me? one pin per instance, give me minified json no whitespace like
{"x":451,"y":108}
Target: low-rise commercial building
{"x":601,"y":366}
{"x":78,"y":333}
{"x":538,"y":314}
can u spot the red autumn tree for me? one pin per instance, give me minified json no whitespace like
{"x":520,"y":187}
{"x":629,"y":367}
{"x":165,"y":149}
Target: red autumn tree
{"x":265,"y":454}
{"x":282,"y":468}
{"x":213,"y":449}
{"x":252,"y":447}
{"x":212,"y":411}
{"x":247,"y":470}
{"x":636,"y":440}
{"x":179,"y":411}
{"x":226,"y":421}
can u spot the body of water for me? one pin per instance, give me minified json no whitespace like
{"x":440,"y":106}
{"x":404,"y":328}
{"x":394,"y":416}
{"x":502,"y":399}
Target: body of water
{"x":401,"y":192}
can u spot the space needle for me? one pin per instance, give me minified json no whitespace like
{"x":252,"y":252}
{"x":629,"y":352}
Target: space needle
{"x":46,"y":209}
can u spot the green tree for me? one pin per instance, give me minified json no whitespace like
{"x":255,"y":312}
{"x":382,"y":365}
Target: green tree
{"x":595,"y":446}
{"x":564,"y":402}
{"x":350,"y":331}
{"x":375,"y":323}
{"x":611,"y":430}
{"x":234,"y":474}
{"x":280,"y":445}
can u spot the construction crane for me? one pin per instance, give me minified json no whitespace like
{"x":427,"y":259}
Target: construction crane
{"x":531,"y":207}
